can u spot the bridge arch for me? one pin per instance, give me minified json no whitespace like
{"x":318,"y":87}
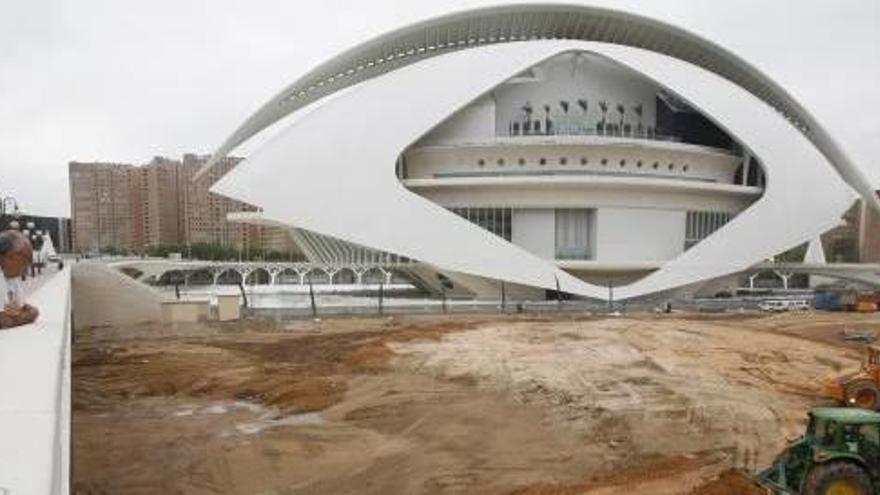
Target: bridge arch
{"x":374,"y":276}
{"x":203,"y":276}
{"x":287,"y":276}
{"x":229,"y":276}
{"x":258,"y":276}
{"x":345,"y":276}
{"x":317,"y":276}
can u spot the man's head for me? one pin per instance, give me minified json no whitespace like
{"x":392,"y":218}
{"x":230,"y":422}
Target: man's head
{"x":15,"y":253}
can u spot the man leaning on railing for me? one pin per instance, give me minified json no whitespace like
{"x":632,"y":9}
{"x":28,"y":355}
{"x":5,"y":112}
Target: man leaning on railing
{"x":15,"y":256}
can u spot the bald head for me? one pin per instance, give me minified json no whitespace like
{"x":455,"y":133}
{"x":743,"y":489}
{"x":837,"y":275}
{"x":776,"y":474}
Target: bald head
{"x":15,"y":253}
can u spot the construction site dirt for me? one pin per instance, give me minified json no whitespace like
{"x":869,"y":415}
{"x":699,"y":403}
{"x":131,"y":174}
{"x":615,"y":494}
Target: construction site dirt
{"x":654,"y":404}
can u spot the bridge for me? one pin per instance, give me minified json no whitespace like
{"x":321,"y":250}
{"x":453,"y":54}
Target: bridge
{"x":862,"y":273}
{"x":198,"y":272}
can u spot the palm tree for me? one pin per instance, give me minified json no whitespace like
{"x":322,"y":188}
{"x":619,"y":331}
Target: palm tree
{"x":547,"y":122}
{"x":582,"y":102}
{"x":603,"y":106}
{"x":564,"y":105}
{"x":639,"y":110}
{"x":527,"y":109}
{"x":621,"y":110}
{"x":527,"y":121}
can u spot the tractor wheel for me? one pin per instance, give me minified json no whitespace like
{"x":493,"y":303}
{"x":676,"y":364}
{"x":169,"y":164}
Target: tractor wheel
{"x":838,"y":478}
{"x":863,"y":394}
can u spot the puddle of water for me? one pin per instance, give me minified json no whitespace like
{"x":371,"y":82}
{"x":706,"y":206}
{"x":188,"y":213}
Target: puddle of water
{"x":267,"y":421}
{"x":219,"y":408}
{"x":266,"y":418}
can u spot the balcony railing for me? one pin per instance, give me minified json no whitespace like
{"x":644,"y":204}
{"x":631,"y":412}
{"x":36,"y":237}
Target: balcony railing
{"x":551,"y":127}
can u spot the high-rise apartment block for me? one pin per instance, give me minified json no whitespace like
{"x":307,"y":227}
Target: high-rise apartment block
{"x":130,"y":208}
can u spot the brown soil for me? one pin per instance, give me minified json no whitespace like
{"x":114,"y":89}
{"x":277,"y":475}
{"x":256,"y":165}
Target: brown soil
{"x":730,"y":482}
{"x":653,"y":404}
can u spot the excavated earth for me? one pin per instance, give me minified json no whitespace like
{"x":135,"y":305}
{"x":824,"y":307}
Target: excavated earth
{"x":660,"y":404}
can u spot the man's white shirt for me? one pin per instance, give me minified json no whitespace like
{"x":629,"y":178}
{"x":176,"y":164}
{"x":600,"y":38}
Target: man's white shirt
{"x":10,"y":292}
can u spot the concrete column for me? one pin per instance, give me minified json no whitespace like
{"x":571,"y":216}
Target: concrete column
{"x":747,"y":164}
{"x":785,"y":276}
{"x":752,"y":280}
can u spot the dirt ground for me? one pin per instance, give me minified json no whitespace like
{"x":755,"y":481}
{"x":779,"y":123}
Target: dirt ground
{"x":660,"y":404}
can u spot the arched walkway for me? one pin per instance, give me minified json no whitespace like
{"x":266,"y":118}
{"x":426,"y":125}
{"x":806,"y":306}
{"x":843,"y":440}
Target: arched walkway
{"x":317,"y":276}
{"x":201,"y":277}
{"x":229,"y":276}
{"x":288,"y":276}
{"x":373,"y":276}
{"x":259,"y":276}
{"x":172,"y":277}
{"x":345,"y":276}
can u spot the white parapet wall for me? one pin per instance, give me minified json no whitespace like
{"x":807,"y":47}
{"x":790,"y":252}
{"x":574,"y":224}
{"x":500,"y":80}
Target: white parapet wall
{"x":35,"y":396}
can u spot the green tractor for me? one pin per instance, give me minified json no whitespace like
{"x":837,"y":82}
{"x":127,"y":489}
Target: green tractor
{"x":838,"y":455}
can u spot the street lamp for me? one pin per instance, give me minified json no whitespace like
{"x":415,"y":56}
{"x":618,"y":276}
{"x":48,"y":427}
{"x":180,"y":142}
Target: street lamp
{"x":9,"y":206}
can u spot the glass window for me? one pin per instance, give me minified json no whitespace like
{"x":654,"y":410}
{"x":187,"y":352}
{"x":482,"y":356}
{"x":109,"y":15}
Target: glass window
{"x":573,"y":233}
{"x":701,"y":224}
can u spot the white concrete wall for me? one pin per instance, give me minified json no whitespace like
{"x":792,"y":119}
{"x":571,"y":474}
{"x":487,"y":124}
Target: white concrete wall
{"x":535,"y":231}
{"x":583,"y":192}
{"x":35,"y":399}
{"x":634,"y":234}
{"x":473,"y":122}
{"x":575,"y":154}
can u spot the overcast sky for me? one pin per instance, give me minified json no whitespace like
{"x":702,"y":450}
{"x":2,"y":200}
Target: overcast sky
{"x":123,"y":81}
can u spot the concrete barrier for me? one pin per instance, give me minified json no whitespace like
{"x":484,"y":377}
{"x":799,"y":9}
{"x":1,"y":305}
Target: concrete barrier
{"x":35,"y":398}
{"x":104,"y":296}
{"x":228,"y":307}
{"x":184,"y":311}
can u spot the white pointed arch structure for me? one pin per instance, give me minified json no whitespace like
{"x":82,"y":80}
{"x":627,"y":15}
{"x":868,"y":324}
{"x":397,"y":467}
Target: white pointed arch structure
{"x":417,"y":76}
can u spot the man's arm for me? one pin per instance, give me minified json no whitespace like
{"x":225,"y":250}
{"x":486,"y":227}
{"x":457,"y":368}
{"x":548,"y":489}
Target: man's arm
{"x":17,"y":316}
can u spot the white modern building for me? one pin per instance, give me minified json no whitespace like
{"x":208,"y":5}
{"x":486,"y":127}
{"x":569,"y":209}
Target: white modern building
{"x":544,"y":147}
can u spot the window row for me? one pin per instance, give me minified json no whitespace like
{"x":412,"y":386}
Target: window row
{"x":584,"y":161}
{"x":701,"y":224}
{"x":495,"y":220}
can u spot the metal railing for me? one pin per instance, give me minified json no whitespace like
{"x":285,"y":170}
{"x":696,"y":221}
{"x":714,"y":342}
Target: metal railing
{"x":648,"y":133}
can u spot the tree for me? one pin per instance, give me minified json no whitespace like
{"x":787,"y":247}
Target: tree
{"x":638,"y":111}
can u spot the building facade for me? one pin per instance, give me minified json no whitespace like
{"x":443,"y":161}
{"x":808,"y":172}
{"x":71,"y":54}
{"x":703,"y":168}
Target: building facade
{"x":546,"y":147}
{"x":128,"y":208}
{"x":101,"y":201}
{"x":857,"y":238}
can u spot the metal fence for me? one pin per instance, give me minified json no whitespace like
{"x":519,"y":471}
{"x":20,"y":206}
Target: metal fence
{"x":389,"y":307}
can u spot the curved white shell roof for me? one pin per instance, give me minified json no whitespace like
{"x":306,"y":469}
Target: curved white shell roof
{"x":528,"y":22}
{"x":345,"y":163}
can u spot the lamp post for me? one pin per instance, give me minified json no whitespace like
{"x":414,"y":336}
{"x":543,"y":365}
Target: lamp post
{"x":9,"y":206}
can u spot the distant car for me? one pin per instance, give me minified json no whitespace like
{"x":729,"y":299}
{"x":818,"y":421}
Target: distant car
{"x":780,"y":305}
{"x":772,"y":306}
